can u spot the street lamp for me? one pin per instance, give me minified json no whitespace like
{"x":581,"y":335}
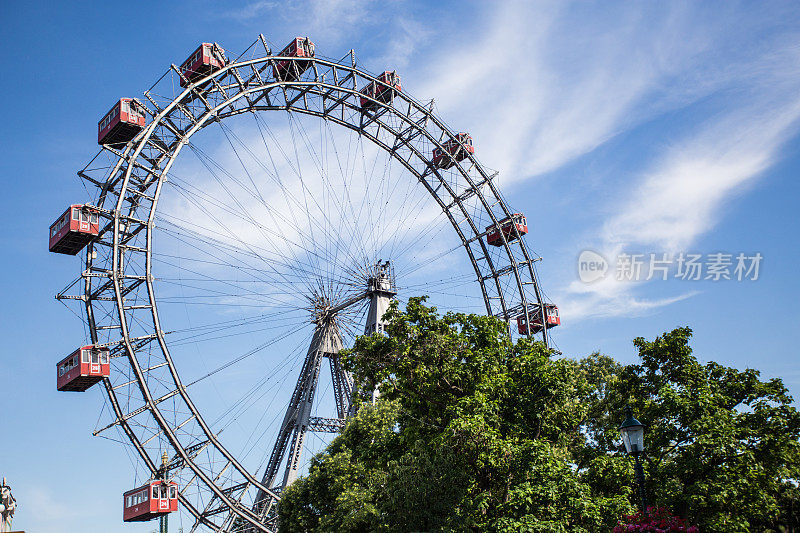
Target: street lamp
{"x":633,"y":437}
{"x":162,"y":523}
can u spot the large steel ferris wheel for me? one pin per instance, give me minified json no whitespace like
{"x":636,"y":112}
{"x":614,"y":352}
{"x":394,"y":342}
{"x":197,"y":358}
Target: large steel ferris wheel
{"x":216,"y":279}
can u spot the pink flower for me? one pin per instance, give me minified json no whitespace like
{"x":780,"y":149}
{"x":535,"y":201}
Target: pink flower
{"x":655,"y":520}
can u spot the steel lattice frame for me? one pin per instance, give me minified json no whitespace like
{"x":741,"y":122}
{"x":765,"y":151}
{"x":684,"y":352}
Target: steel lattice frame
{"x":118,"y":289}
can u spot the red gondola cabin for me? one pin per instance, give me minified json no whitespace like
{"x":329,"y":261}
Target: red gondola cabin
{"x":380,"y":92}
{"x":150,"y":501}
{"x":83,"y":368}
{"x":206,"y":59}
{"x":121,"y":124}
{"x":507,"y":227}
{"x":289,"y":70}
{"x":455,"y":149}
{"x":73,"y":230}
{"x":552,"y":319}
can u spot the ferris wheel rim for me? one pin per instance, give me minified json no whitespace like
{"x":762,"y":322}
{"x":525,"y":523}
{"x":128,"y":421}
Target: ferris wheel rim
{"x":132,"y":151}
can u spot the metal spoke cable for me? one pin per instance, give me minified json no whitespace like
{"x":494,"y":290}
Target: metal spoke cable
{"x":303,"y":275}
{"x":227,"y":230}
{"x":335,"y":237}
{"x":170,"y":219}
{"x":228,"y":134}
{"x":242,"y":357}
{"x":245,"y":214}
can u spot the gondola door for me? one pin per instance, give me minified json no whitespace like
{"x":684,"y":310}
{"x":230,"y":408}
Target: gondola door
{"x":95,"y":361}
{"x":163,"y":497}
{"x":84,"y":225}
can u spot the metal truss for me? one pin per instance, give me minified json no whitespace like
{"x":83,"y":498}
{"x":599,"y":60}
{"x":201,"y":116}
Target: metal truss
{"x":147,"y":398}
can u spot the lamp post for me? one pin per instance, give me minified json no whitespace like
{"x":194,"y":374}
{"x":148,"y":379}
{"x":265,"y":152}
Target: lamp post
{"x":163,"y":524}
{"x":633,"y":437}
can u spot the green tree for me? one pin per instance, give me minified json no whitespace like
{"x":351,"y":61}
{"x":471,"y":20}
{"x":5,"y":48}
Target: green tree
{"x":722,"y":445}
{"x":473,"y":432}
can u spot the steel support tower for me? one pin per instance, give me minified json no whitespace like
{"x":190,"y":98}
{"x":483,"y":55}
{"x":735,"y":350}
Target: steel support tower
{"x":325,"y":343}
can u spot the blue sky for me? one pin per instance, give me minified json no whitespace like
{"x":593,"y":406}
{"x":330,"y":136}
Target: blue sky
{"x":617,"y":127}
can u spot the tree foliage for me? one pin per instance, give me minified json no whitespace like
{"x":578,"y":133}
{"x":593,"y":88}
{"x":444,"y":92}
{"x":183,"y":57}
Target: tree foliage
{"x":474,"y":432}
{"x":722,"y":445}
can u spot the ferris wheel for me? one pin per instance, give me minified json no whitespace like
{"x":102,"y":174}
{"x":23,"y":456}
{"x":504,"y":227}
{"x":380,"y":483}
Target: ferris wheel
{"x":309,"y":193}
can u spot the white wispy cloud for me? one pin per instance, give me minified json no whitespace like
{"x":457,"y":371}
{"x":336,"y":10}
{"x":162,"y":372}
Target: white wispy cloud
{"x":405,"y":38}
{"x":671,"y":217}
{"x":541,"y":85}
{"x":325,"y":21}
{"x":683,"y":195}
{"x":333,"y":19}
{"x":251,"y":10}
{"x":683,"y":192}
